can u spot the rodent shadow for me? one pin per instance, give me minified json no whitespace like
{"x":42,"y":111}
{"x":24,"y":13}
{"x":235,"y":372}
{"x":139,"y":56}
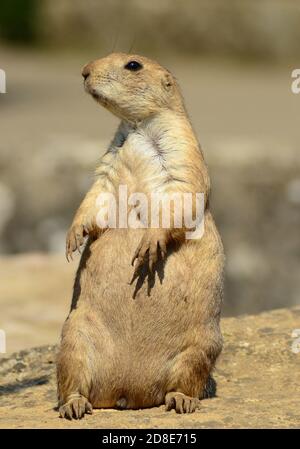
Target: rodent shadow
{"x":144,"y":272}
{"x":82,"y":264}
{"x":143,"y":275}
{"x":210,"y":390}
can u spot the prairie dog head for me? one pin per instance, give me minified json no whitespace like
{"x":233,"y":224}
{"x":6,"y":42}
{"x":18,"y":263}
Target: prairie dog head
{"x":131,"y":86}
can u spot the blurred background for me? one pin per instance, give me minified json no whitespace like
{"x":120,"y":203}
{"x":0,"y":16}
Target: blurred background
{"x":233,"y":60}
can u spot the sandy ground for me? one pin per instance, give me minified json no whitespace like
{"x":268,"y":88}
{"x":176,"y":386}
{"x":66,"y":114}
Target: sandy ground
{"x":257,"y":377}
{"x":35,"y":292}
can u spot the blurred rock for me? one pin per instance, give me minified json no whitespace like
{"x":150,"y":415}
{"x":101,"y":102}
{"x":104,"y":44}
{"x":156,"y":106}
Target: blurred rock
{"x":251,"y":29}
{"x":46,"y":192}
{"x":258,"y":221}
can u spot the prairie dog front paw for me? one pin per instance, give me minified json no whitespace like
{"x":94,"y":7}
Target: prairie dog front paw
{"x":153,"y":243}
{"x":75,"y":239}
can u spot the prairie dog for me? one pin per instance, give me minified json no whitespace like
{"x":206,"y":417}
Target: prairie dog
{"x":146,"y":335}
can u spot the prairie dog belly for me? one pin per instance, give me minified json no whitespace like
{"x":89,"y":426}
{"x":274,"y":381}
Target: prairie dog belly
{"x":181,"y":280}
{"x":146,"y":327}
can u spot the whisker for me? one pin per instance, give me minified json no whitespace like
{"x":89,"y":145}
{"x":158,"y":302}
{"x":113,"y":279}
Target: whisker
{"x":132,"y":44}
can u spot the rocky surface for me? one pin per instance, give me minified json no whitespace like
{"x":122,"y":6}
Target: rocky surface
{"x":257,"y":376}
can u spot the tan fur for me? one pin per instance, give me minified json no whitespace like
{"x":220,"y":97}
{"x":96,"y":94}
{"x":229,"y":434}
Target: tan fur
{"x":153,"y":340}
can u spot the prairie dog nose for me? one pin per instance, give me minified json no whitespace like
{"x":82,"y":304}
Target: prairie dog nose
{"x":86,"y":71}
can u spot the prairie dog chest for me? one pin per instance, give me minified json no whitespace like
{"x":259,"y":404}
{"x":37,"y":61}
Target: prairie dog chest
{"x":142,"y":163}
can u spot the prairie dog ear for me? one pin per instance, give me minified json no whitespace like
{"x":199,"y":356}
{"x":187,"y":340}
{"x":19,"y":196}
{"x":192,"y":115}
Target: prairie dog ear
{"x":167,"y":81}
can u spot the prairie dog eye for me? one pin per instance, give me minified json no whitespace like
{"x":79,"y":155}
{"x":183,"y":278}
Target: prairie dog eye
{"x":134,"y":66}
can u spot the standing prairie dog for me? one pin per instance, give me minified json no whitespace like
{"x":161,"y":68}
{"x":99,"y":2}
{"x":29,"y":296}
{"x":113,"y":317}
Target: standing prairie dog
{"x":146,"y":335}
